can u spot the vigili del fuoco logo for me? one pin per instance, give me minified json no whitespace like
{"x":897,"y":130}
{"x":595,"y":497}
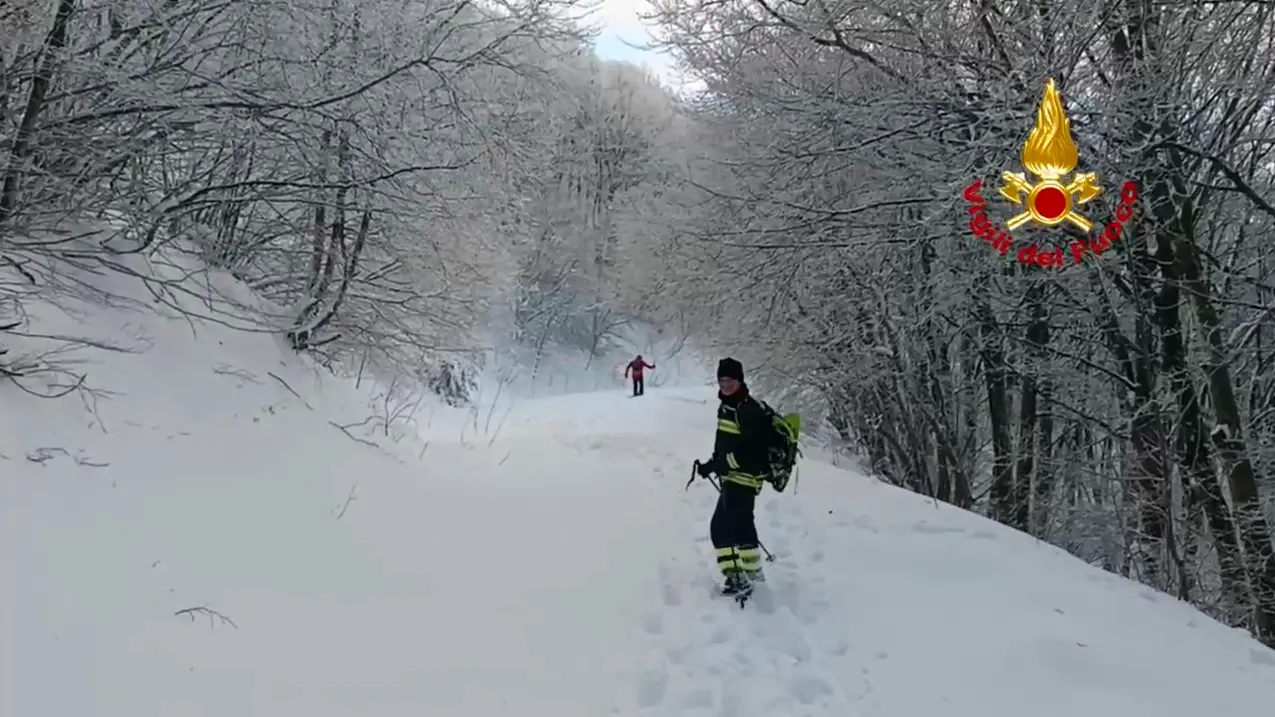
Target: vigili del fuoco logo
{"x":1050,"y":155}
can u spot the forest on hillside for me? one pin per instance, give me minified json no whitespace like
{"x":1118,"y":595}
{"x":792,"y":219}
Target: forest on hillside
{"x":398,"y":179}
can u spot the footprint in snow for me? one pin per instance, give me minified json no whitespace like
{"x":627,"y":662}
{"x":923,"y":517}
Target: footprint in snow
{"x":652,"y":687}
{"x":653,"y":623}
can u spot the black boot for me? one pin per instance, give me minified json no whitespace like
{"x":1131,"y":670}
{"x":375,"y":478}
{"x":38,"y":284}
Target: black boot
{"x":736,"y":585}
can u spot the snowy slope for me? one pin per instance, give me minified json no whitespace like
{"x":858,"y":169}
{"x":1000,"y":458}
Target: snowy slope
{"x":547,"y":562}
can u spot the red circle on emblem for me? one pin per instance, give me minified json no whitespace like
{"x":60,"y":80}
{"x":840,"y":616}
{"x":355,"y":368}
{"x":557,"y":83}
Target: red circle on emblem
{"x":1050,"y":202}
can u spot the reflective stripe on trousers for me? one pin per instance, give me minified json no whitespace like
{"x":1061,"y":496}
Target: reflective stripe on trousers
{"x":739,"y":559}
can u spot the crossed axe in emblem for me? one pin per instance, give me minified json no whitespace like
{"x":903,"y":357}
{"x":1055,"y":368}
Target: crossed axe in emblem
{"x":1082,"y":189}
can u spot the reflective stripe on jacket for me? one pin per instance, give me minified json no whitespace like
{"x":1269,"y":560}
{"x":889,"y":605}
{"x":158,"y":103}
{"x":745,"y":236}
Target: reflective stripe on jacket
{"x":739,"y":449}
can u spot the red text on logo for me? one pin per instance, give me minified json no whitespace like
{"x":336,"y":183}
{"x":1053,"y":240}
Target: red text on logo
{"x":1000,"y":239}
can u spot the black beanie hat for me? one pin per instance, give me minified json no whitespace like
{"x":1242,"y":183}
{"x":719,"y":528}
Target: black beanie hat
{"x":730,"y":368}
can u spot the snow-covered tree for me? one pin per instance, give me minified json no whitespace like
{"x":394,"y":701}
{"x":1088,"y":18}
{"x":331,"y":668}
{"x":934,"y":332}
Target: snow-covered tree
{"x":1116,"y":406}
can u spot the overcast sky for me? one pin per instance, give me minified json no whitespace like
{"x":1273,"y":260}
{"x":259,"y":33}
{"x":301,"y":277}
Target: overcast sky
{"x":619,"y":22}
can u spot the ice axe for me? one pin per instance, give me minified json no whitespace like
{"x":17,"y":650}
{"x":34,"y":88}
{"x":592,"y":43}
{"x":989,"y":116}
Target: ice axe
{"x":770,"y":558}
{"x":695,"y":474}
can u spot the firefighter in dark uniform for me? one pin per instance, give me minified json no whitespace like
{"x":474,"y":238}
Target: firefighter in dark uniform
{"x":740,"y":458}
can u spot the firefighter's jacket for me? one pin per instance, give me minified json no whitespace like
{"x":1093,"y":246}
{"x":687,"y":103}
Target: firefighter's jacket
{"x":740,"y":454}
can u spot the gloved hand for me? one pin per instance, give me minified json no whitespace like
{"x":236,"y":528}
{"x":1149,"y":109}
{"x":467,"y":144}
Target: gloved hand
{"x":705,"y":468}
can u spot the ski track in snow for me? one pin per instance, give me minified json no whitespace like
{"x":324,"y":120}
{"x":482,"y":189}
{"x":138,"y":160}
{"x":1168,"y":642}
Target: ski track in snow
{"x":714,"y":658}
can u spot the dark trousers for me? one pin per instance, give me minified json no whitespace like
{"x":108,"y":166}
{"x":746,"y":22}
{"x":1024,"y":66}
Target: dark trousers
{"x":734,"y":532}
{"x":639,"y":386}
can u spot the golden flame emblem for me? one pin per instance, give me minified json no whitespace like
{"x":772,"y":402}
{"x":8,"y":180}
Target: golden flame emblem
{"x":1050,"y":154}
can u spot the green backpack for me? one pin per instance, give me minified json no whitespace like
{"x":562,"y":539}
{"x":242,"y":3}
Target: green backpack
{"x":782,"y":446}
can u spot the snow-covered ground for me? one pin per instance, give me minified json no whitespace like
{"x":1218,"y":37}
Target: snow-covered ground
{"x":210,"y":542}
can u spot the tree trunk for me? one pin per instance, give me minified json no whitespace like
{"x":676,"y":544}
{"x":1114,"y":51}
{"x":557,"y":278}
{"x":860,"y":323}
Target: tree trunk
{"x":1028,"y":427}
{"x":1204,"y":497}
{"x":22,"y":146}
{"x":994,"y":374}
{"x":1251,"y":524}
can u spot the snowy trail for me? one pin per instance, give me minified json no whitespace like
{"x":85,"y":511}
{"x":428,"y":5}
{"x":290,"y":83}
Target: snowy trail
{"x":551,"y":563}
{"x":499,"y":592}
{"x":716,"y":659}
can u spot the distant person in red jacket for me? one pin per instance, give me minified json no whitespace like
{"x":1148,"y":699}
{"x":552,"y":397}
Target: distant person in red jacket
{"x":636,"y":366}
